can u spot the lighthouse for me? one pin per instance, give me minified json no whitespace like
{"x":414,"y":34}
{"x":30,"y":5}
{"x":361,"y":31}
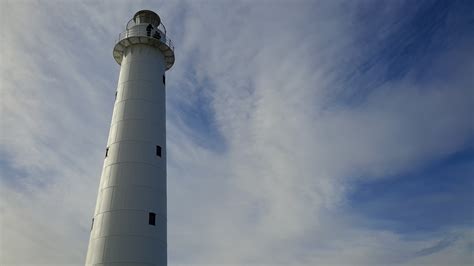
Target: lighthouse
{"x":129,"y":222}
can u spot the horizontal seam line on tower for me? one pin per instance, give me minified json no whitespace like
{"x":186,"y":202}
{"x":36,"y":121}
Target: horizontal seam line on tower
{"x":121,"y":262}
{"x":147,"y":80}
{"x":156,"y":238}
{"x":126,"y":140}
{"x":131,"y":162}
{"x":158,"y":216}
{"x":151,"y":188}
{"x":129,"y":140}
{"x":163,"y":217}
{"x":133,"y":80}
{"x":114,"y":122}
{"x":136,"y":99}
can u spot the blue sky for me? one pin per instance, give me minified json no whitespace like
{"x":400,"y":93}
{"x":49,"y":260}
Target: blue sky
{"x":299,"y":132}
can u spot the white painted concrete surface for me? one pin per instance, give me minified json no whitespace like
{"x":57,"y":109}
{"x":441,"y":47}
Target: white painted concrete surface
{"x":133,"y":181}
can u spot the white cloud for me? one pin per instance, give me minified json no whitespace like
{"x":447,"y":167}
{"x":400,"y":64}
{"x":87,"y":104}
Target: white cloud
{"x":274,"y":193}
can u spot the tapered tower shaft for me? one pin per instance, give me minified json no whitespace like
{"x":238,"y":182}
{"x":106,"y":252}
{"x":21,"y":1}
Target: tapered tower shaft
{"x":129,"y":223}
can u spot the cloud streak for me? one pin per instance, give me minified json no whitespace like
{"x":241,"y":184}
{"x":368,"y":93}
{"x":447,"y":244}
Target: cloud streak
{"x":264,"y":147}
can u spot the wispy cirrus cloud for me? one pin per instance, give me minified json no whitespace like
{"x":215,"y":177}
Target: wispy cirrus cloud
{"x":276,"y":114}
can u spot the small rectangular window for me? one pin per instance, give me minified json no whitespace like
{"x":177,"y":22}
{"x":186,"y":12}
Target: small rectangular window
{"x":92,"y":225}
{"x":164,"y":80}
{"x":158,"y":151}
{"x":106,"y":152}
{"x":151,"y":218}
{"x":116,"y":95}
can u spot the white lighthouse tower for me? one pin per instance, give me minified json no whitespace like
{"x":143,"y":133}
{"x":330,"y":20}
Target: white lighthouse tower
{"x":129,"y":223}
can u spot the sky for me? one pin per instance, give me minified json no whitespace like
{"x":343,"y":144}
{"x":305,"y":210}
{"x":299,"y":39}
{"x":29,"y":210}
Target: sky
{"x":299,"y":132}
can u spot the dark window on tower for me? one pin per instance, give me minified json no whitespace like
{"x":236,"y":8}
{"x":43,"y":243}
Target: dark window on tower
{"x":164,"y":80}
{"x":158,"y":151}
{"x":106,"y":151}
{"x":151,"y":218}
{"x":116,"y":95}
{"x":92,"y":225}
